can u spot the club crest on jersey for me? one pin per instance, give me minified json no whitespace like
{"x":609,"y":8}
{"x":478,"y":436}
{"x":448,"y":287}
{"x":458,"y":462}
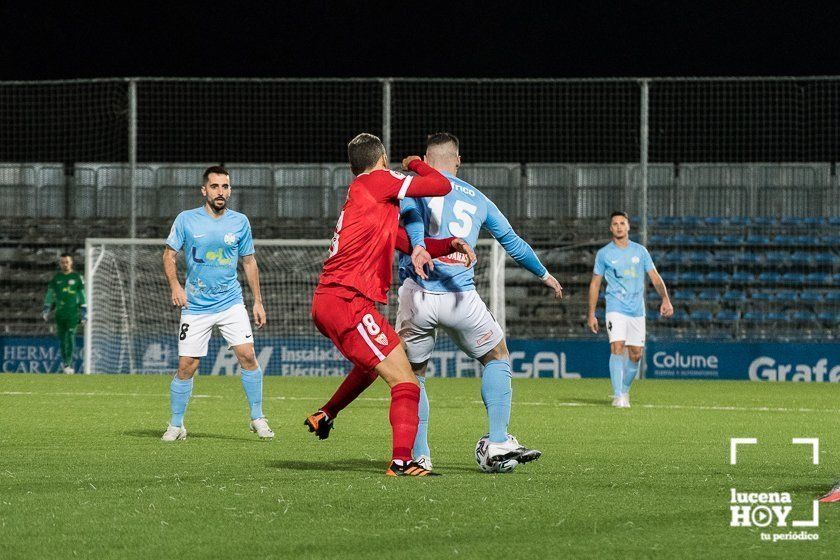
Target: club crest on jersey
{"x":382,"y":339}
{"x":230,"y":238}
{"x":397,"y":174}
{"x":635,"y":260}
{"x":71,"y":281}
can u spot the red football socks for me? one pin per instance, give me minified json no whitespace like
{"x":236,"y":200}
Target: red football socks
{"x":353,"y":385}
{"x":405,"y":399}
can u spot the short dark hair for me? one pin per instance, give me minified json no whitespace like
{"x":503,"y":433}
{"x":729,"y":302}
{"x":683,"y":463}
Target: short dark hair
{"x":217,"y":169}
{"x":66,"y":255}
{"x":620,"y":213}
{"x":439,"y":138}
{"x":364,"y":151}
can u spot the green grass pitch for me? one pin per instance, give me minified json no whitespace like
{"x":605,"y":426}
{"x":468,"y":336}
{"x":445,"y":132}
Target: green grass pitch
{"x":83,"y":473}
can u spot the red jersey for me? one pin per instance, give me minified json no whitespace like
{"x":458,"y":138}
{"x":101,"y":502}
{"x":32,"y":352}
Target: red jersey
{"x":361,"y":258}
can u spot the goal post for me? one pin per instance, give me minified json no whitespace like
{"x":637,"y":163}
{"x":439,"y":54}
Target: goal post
{"x":132,"y":326}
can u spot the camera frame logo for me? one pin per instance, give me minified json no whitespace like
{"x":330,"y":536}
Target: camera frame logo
{"x":773,"y":510}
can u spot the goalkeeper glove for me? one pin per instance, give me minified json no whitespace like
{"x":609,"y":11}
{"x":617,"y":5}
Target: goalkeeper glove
{"x":45,"y":312}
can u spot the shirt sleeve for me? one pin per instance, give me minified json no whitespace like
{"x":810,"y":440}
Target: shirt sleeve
{"x":176,"y":234}
{"x":49,"y":299}
{"x":600,"y":264}
{"x":412,"y":221}
{"x":647,"y":261}
{"x":80,"y":297}
{"x":522,"y":253}
{"x":246,"y":241}
{"x":496,"y":222}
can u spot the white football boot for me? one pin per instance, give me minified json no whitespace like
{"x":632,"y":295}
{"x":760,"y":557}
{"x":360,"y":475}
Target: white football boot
{"x":174,"y":433}
{"x":424,"y":461}
{"x":260,"y":427}
{"x":625,"y":400}
{"x":616,"y":401}
{"x":510,"y":449}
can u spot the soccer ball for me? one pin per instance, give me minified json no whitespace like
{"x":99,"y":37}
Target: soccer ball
{"x":484,"y":462}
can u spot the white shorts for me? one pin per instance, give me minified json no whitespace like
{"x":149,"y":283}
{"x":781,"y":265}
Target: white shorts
{"x":629,"y":329}
{"x":463,"y":315}
{"x":195,"y":330}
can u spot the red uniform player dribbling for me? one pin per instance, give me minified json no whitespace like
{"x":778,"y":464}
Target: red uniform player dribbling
{"x":357,"y":274}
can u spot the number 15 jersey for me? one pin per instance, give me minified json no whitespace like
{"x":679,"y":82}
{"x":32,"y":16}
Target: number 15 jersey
{"x":461,"y":213}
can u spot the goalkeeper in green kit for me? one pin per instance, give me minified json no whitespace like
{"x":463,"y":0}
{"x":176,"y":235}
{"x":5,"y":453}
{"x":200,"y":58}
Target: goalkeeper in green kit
{"x":66,"y":291}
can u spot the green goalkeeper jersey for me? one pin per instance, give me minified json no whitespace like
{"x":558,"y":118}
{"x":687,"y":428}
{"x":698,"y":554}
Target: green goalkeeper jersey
{"x":66,"y":292}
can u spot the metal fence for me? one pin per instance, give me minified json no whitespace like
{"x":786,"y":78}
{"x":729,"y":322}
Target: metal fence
{"x":732,"y":182}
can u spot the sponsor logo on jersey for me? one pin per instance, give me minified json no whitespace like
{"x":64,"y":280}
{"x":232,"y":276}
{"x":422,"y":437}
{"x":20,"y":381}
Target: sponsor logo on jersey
{"x":463,"y":189}
{"x":382,"y":339}
{"x":453,"y":258}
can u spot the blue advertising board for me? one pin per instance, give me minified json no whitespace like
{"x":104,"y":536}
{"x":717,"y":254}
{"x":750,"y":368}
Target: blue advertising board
{"x":529,"y":359}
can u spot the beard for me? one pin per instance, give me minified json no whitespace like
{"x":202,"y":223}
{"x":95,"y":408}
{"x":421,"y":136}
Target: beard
{"x":217,"y":204}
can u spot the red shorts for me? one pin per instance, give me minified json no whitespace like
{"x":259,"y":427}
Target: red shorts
{"x":355,"y":326}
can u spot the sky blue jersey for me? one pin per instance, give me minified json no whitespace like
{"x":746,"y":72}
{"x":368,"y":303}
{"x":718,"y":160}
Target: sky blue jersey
{"x":461,"y":213}
{"x":212,"y":247}
{"x":625,"y":271}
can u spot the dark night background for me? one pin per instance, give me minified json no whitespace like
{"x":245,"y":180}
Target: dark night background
{"x":446,"y":39}
{"x":512,"y":122}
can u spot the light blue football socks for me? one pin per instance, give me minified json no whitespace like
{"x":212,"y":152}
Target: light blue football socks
{"x":617,"y":373}
{"x":631,"y":368}
{"x":252,"y":382}
{"x":497,"y":393}
{"x":421,"y":441}
{"x":179,"y":395}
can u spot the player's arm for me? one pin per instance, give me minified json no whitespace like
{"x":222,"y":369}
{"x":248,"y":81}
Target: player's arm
{"x":170,"y":270}
{"x":82,"y":300}
{"x":499,"y":227}
{"x":427,"y":182}
{"x":666,"y":309}
{"x":49,"y":300}
{"x":594,"y":290}
{"x":252,"y":274}
{"x":252,"y":271}
{"x":433,"y":248}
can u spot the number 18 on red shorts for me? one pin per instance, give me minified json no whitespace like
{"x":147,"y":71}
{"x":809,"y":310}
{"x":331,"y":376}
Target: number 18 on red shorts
{"x":356,"y":327}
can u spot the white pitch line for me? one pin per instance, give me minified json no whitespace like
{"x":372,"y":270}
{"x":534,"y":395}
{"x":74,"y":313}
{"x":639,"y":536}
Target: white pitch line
{"x":718,"y":408}
{"x":97,"y":394}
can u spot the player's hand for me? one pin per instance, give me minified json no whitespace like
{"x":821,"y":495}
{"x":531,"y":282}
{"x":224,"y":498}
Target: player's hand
{"x":179,"y":296}
{"x":259,"y":315}
{"x":407,"y":161}
{"x":45,"y":313}
{"x":552,"y":283}
{"x":420,"y":257}
{"x":593,"y":324}
{"x":666,"y":309}
{"x":461,"y":246}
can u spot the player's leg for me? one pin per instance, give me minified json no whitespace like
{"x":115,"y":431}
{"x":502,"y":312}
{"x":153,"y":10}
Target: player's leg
{"x":635,"y":345}
{"x":617,"y":332}
{"x":354,"y":384}
{"x":417,"y":319}
{"x":421,"y":451}
{"x":366,"y":338}
{"x":193,"y":339}
{"x":66,"y":331}
{"x":235,"y":327}
{"x":474,"y":329}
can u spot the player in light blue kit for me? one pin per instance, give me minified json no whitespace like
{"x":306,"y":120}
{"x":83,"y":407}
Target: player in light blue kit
{"x":213,"y":238}
{"x":447,"y":299}
{"x":624,"y":264}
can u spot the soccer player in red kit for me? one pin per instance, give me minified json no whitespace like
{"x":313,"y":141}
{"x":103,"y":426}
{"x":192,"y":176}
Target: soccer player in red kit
{"x":357,"y":274}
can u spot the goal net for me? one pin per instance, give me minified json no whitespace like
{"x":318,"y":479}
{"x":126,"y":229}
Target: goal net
{"x":133,"y":328}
